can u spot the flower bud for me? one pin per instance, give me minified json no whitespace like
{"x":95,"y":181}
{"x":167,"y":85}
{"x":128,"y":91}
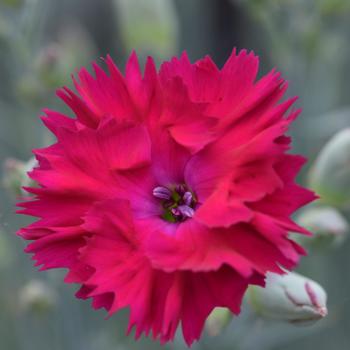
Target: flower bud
{"x":218,"y":320}
{"x":37,"y":296}
{"x":327,"y":224}
{"x":290,"y":297}
{"x":12,"y":177}
{"x":151,"y":16}
{"x":330,"y":174}
{"x":15,"y":174}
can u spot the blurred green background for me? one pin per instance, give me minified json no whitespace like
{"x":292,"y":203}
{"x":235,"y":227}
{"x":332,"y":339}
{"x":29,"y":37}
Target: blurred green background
{"x":43,"y":41}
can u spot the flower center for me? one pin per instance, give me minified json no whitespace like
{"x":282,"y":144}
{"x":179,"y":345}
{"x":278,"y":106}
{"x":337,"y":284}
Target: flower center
{"x":178,"y":203}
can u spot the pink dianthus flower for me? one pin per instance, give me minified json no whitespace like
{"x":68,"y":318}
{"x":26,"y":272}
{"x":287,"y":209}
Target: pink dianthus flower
{"x":170,"y":191}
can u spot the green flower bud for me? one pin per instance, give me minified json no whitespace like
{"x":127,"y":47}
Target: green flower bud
{"x":291,"y":298}
{"x":37,"y":297}
{"x":330,"y":174}
{"x":327,"y":224}
{"x":151,"y":26}
{"x":48,"y":65}
{"x":218,"y":320}
{"x":47,"y":70}
{"x":15,"y":175}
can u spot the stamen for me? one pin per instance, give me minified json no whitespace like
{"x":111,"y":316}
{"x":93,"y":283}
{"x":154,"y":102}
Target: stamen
{"x":176,"y":211}
{"x":178,"y":202}
{"x":162,"y":192}
{"x":181,"y":189}
{"x":187,"y":197}
{"x":186,"y":211}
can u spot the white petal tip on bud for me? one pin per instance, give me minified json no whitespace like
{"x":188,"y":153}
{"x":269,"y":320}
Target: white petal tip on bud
{"x":322,"y":311}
